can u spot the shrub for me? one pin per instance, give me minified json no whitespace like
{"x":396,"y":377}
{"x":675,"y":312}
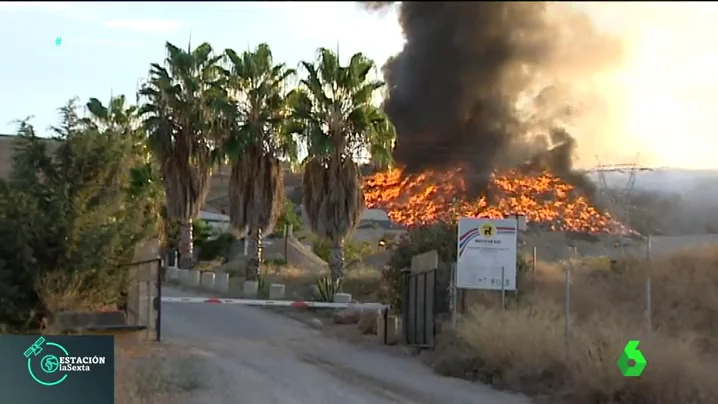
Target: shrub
{"x":214,"y":248}
{"x":201,"y":232}
{"x":419,"y":239}
{"x":78,"y":211}
{"x":278,"y":262}
{"x":523,"y":346}
{"x":288,"y":217}
{"x":326,"y":288}
{"x":352,"y":251}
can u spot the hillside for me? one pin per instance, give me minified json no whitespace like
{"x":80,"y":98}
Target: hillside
{"x":679,"y":201}
{"x":216,"y":201}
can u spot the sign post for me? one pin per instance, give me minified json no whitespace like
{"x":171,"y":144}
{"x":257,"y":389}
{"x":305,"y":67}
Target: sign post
{"x":486,"y":256}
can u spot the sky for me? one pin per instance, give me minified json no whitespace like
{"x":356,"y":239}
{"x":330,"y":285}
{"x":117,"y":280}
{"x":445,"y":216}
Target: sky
{"x":107,"y":47}
{"x":669,"y":84}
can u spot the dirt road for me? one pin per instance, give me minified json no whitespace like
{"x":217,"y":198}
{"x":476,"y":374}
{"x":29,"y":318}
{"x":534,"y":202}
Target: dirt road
{"x":259,"y":357}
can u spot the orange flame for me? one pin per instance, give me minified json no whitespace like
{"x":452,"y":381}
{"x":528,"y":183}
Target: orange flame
{"x":430,"y":197}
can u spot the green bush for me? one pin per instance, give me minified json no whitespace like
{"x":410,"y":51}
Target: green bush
{"x":201,"y":232}
{"x":352,"y":251}
{"x":288,"y":217}
{"x":276,"y":261}
{"x":78,"y":212}
{"x":217,"y":247}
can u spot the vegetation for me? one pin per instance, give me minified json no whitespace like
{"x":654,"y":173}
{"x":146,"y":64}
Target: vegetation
{"x":326,"y":288}
{"x":186,"y":112}
{"x":524,"y":346}
{"x":288,"y":217}
{"x":216,"y":247}
{"x":71,"y":216}
{"x":333,"y":112}
{"x":353,"y":251}
{"x":261,"y":138}
{"x":201,"y":232}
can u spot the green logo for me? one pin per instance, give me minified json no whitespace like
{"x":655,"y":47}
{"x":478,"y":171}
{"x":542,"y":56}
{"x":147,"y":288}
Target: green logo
{"x":49,"y":363}
{"x":631,"y":363}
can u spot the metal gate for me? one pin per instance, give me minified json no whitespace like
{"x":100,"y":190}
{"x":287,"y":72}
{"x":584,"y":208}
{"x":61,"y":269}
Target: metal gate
{"x":419,"y":297}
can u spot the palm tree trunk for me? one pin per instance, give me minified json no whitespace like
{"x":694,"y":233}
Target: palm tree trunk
{"x":336,"y":259}
{"x":185,"y":245}
{"x":256,"y":247}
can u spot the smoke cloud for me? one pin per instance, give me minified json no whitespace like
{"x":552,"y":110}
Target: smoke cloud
{"x":493,"y":85}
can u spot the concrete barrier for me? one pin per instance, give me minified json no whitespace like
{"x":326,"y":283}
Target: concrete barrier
{"x":193,"y":278}
{"x":207,"y":280}
{"x":172,"y":273}
{"x":392,"y":327}
{"x":342,"y":298}
{"x":249,"y":289}
{"x":276,"y":291}
{"x":221,"y":282}
{"x":182,"y":275}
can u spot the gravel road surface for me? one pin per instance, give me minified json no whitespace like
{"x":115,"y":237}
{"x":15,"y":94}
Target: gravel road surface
{"x":259,"y":357}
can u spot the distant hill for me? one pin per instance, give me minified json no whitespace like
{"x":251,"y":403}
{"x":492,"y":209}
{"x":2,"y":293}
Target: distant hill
{"x":675,"y":198}
{"x":217,"y":200}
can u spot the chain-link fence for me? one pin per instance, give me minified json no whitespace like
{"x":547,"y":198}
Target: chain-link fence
{"x":637,"y":280}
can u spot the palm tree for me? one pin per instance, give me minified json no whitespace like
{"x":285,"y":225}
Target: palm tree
{"x":333,"y":111}
{"x":186,"y":111}
{"x":260,"y":140}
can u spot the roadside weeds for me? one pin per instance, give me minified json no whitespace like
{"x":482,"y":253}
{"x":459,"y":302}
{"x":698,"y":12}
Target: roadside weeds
{"x":151,"y":374}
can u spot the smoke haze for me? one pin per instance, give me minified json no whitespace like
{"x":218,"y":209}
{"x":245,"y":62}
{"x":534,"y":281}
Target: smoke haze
{"x":495,"y":84}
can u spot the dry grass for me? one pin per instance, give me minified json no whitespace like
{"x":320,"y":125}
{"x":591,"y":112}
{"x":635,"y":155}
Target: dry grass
{"x":61,"y":291}
{"x":524,"y":347}
{"x":364,"y":283}
{"x":145,"y":372}
{"x":149,"y":374}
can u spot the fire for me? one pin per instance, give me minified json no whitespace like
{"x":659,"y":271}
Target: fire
{"x":431,"y":196}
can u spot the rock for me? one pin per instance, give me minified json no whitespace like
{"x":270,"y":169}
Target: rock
{"x":367,"y":321}
{"x":316,"y":324}
{"x":347,"y":316}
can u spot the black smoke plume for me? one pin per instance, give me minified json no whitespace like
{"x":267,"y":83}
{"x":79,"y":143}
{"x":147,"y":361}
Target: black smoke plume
{"x":491,"y":85}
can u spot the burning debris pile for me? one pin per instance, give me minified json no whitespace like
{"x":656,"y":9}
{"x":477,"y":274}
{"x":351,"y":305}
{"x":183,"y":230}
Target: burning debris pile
{"x":430,"y":197}
{"x":490,"y":87}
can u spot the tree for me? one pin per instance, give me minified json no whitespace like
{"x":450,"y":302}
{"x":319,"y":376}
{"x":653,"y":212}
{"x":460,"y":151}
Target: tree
{"x":121,"y":119}
{"x":257,"y":146}
{"x":68,"y":213}
{"x":334,"y":113}
{"x":288,"y":217}
{"x":186,"y":112}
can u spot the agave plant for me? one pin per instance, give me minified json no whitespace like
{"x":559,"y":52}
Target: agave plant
{"x":326,"y":288}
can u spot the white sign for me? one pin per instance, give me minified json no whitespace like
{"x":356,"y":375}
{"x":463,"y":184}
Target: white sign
{"x":485,"y":247}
